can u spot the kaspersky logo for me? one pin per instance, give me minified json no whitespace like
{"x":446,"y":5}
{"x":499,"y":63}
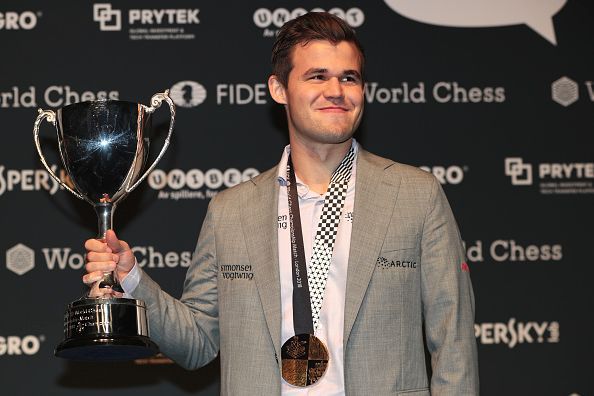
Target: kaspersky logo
{"x":20,"y":259}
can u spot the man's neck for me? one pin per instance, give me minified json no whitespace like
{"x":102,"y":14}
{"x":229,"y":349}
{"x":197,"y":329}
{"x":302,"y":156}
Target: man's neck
{"x":315,"y":163}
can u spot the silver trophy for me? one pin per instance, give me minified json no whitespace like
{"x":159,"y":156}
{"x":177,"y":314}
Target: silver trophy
{"x":104,"y":149}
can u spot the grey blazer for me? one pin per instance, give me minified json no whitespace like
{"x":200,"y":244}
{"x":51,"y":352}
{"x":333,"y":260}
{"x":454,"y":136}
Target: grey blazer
{"x":405,"y":273}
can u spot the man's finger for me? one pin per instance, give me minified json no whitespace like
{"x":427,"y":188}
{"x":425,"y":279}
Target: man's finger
{"x":113,"y":242}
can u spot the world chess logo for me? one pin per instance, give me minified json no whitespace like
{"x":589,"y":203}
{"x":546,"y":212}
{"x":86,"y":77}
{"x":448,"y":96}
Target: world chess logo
{"x":110,"y":20}
{"x":565,"y":91}
{"x":520,"y":173}
{"x":20,"y":259}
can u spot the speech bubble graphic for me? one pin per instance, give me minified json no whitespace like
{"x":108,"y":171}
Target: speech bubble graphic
{"x":537,"y":14}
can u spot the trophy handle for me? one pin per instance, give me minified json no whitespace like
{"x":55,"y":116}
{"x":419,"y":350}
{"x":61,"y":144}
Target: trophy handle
{"x":50,"y":116}
{"x":156,"y":101}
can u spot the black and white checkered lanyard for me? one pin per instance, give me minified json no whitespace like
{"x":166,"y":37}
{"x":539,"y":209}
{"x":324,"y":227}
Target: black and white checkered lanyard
{"x":309,"y":295}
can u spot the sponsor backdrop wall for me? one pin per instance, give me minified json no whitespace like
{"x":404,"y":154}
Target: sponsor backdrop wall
{"x":496,"y":100}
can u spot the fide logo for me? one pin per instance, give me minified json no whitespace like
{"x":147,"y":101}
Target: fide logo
{"x":110,"y":20}
{"x":20,"y":259}
{"x":520,"y":173}
{"x":187,"y":94}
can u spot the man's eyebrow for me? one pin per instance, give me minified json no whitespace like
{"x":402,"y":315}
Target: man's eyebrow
{"x":352,"y":73}
{"x":320,"y":70}
{"x":316,"y":70}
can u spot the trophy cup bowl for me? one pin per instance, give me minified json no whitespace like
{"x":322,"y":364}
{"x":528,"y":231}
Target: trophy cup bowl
{"x":104,"y":148}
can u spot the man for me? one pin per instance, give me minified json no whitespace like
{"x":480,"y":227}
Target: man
{"x":384,"y":256}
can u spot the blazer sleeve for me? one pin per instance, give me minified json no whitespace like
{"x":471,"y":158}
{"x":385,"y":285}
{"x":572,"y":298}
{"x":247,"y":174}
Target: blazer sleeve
{"x":187,"y":330}
{"x":448,"y":302}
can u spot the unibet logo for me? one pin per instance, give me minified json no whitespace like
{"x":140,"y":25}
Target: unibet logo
{"x":520,"y":173}
{"x":25,"y":20}
{"x":194,"y":178}
{"x":264,"y":18}
{"x":537,"y":14}
{"x":565,"y":91}
{"x":513,"y":333}
{"x":109,"y":20}
{"x":20,"y":259}
{"x":187,"y":94}
{"x":15,"y":345}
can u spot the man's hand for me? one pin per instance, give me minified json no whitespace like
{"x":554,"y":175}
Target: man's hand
{"x":108,"y":256}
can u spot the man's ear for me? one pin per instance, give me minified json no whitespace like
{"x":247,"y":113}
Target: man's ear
{"x":277,"y":90}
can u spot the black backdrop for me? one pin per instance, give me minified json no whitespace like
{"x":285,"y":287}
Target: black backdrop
{"x":501,"y":112}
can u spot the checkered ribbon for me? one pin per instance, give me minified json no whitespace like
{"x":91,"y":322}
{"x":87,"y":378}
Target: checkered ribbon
{"x":323,"y":246}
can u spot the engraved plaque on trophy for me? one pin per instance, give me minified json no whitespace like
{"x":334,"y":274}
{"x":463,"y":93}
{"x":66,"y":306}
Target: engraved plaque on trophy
{"x":104,"y":147}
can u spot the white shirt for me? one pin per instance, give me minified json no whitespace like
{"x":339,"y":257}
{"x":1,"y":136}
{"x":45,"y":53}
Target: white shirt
{"x":331,"y":327}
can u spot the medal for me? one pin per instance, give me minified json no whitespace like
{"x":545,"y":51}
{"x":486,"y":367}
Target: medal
{"x":304,"y":360}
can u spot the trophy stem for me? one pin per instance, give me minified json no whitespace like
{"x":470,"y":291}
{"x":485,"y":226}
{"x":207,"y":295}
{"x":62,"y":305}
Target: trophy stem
{"x":104,"y":212}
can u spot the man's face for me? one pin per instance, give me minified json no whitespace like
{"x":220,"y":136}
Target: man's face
{"x":324,"y":92}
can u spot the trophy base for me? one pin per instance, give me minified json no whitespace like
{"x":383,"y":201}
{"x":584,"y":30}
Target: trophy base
{"x":106,"y":329}
{"x":107,"y":349}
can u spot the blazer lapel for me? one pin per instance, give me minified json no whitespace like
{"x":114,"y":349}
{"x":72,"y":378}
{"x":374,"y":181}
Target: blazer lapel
{"x":375,"y":196}
{"x":258,"y":216}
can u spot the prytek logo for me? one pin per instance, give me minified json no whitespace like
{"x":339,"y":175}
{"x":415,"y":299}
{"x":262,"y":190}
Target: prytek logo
{"x":23,"y":20}
{"x":53,"y":96}
{"x":196,"y":184}
{"x":20,"y":259}
{"x":187,"y":94}
{"x":452,"y":174}
{"x":157,"y":24}
{"x":440,"y":92}
{"x":16,"y":345}
{"x":565,"y":91}
{"x":513,"y":333}
{"x":109,"y":20}
{"x":554,"y":178}
{"x":31,"y":180}
{"x":520,"y":173}
{"x":265,"y":18}
{"x":510,"y":250}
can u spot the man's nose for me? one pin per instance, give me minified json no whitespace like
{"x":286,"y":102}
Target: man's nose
{"x":333,"y":89}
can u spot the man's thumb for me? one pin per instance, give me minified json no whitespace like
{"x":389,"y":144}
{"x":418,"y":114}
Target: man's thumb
{"x":113,"y":242}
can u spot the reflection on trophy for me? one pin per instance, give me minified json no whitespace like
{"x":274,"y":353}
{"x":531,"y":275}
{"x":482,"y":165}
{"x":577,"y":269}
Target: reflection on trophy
{"x":104,"y":149}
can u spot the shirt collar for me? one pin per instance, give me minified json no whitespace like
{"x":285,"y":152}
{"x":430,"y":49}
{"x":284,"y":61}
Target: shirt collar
{"x":302,"y":188}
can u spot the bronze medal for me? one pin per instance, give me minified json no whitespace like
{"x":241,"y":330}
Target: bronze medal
{"x":304,"y":360}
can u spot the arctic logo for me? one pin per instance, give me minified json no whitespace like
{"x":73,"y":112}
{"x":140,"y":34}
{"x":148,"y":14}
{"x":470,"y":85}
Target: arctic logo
{"x":20,"y":259}
{"x":520,"y":173}
{"x":187,"y":94}
{"x":109,"y":20}
{"x":537,"y":14}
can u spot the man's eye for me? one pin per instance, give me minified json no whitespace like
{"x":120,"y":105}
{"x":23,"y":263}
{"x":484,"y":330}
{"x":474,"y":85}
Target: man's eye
{"x":317,"y":77}
{"x":350,"y":79}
